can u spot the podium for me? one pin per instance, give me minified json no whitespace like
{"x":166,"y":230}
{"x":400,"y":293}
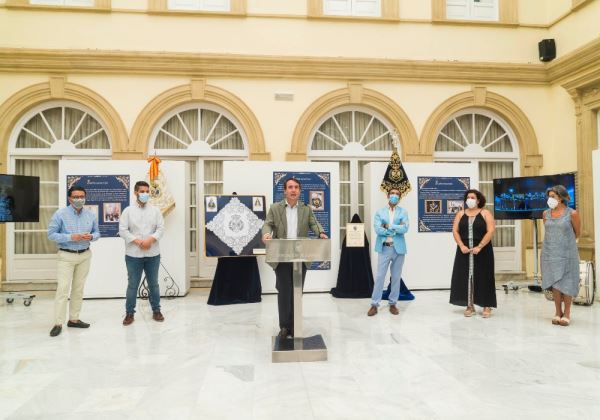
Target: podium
{"x":298,"y":251}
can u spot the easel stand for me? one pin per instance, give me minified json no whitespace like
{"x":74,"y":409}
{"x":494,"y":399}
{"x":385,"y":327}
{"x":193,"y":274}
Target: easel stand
{"x":536,"y":286}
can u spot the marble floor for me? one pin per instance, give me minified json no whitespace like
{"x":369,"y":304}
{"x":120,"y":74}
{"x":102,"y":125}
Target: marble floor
{"x":208,"y":362}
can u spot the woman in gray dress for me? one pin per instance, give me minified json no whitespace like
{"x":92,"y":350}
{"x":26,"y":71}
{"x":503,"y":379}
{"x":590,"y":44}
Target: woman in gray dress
{"x":560,"y":258}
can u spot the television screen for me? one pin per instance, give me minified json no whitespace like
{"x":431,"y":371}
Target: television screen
{"x":19,"y":198}
{"x":525,"y":197}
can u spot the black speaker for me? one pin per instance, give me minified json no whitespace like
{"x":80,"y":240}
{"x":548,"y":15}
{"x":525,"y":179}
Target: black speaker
{"x":547,"y":48}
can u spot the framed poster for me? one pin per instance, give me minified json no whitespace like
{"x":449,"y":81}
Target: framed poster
{"x":106,"y":196}
{"x":439,"y":199}
{"x":233,"y":225}
{"x":355,"y":235}
{"x":316,"y":193}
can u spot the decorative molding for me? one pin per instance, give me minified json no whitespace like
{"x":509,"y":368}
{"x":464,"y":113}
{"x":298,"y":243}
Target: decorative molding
{"x":99,"y":6}
{"x":238,"y":8}
{"x":198,"y":87}
{"x":577,"y":69}
{"x":390,"y":9}
{"x":578,"y":4}
{"x":356,"y":92}
{"x":342,"y":97}
{"x":172,"y":98}
{"x":479,"y":93}
{"x":56,"y":88}
{"x":587,"y":104}
{"x":531,"y":159}
{"x":193,"y":65}
{"x":508,"y":14}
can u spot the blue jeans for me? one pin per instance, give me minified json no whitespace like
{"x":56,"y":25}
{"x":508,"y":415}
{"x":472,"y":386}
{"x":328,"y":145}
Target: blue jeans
{"x":135,"y":267}
{"x":388,"y":256}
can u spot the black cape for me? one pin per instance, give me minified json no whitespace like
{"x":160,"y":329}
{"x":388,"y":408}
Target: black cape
{"x":355,"y":278}
{"x":236,"y":280}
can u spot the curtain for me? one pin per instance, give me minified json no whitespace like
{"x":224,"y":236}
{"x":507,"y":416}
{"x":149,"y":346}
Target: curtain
{"x":488,"y":171}
{"x":31,"y":238}
{"x":193,"y":200}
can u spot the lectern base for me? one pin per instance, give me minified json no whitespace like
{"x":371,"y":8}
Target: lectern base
{"x":307,"y":349}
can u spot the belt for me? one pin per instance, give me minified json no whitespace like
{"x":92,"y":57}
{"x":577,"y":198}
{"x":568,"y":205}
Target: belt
{"x":74,"y":251}
{"x":388,"y":244}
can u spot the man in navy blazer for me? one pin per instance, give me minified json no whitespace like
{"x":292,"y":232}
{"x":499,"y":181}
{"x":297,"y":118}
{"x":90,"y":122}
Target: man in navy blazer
{"x":391,"y":223}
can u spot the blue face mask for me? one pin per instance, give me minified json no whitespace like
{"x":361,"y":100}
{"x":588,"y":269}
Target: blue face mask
{"x":394,"y":199}
{"x":143,"y":197}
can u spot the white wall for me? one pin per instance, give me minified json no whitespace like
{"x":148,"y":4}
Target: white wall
{"x":430,"y":255}
{"x":256,"y":178}
{"x":108,"y":275}
{"x":596,"y":169}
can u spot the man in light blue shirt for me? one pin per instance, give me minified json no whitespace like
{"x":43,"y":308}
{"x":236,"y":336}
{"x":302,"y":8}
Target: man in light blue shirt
{"x":72,"y":228}
{"x":141,"y":226}
{"x":391,"y":223}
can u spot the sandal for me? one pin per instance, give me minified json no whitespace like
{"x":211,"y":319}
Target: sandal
{"x":487,"y":312}
{"x":469,"y":312}
{"x":556,"y":320}
{"x":564,"y":321}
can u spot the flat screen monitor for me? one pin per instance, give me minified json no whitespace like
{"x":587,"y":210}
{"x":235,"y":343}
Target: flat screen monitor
{"x":19,"y":198}
{"x":525,"y":197}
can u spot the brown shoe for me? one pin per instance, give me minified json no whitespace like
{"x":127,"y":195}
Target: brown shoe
{"x":128,"y":319}
{"x":393,"y":310}
{"x":157,"y":316}
{"x":372,"y":310}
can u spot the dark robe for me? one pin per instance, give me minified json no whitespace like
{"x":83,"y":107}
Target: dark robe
{"x":236,"y":280}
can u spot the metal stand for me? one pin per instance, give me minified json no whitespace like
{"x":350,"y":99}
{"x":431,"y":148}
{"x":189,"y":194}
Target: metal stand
{"x":536,"y":286}
{"x":299,"y":348}
{"x":11,"y":296}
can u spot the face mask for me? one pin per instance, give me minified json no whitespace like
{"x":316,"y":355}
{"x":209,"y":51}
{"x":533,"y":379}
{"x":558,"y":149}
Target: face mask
{"x":143,"y":197}
{"x":471,"y":203}
{"x":78,"y":202}
{"x":552,"y":202}
{"x":394,"y":199}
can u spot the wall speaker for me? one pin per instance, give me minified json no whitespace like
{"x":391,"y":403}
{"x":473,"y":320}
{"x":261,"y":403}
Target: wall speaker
{"x":547,"y":48}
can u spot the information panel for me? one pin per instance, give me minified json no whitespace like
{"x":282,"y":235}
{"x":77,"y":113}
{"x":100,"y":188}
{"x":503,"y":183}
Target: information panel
{"x":107,"y":196}
{"x":315,"y":192}
{"x":440,"y":198}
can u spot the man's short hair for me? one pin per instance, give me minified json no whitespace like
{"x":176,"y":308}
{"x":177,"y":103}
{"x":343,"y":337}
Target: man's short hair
{"x":76,"y":188}
{"x":393,"y":189}
{"x":140,"y":184}
{"x":291,"y":179}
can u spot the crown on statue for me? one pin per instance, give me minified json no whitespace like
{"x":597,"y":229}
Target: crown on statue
{"x":395,"y":177}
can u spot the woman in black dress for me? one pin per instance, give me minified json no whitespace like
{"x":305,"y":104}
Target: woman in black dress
{"x":473,"y":281}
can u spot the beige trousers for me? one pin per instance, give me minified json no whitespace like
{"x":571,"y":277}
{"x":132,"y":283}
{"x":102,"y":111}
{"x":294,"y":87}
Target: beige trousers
{"x":71,"y":273}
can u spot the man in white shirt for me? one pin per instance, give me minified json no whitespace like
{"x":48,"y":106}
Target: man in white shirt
{"x":141,"y":226}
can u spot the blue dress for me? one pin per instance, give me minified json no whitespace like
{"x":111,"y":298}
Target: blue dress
{"x":560,"y":257}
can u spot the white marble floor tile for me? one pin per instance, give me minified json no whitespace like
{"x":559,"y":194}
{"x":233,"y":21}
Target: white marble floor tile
{"x":208,"y":362}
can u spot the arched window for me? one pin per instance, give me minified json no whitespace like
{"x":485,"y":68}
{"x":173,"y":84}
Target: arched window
{"x":352,"y":136}
{"x":43,"y":136}
{"x":476,"y":135}
{"x":203,"y":135}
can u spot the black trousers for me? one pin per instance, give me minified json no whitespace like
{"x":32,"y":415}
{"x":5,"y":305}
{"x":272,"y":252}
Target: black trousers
{"x":284,"y":282}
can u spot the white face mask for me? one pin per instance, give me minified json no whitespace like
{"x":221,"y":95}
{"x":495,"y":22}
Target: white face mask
{"x":552,"y":202}
{"x":471,"y":203}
